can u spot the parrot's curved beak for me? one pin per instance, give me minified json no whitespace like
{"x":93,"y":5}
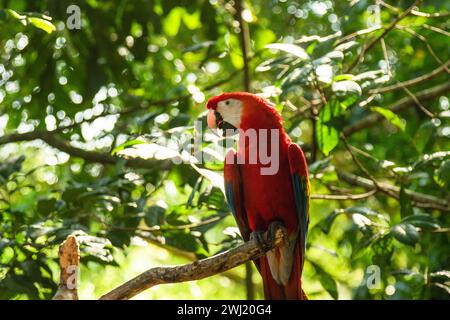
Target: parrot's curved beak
{"x":211,"y":119}
{"x":216,"y":123}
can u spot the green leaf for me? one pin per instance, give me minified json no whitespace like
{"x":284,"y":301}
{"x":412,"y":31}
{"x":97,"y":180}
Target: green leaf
{"x":16,"y":15}
{"x":346,"y":45}
{"x":292,"y":49}
{"x":369,"y":75}
{"x":183,"y":240}
{"x":46,"y":206}
{"x":442,"y":175}
{"x":325,"y":224}
{"x":327,"y":281}
{"x":154,"y":215}
{"x":319,"y":165}
{"x":362,"y":222}
{"x":296,"y":77}
{"x":172,"y":22}
{"x":335,"y":55}
{"x":42,"y":24}
{"x":9,"y":167}
{"x":390,"y":116}
{"x":126,"y":145}
{"x":405,"y":233}
{"x":346,"y":87}
{"x":423,"y":220}
{"x":327,"y":134}
{"x":215,"y":178}
{"x":344,"y":76}
{"x":406,"y":208}
{"x":425,"y":136}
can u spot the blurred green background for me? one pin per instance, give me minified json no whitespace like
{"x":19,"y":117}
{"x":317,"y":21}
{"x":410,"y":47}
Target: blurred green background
{"x":95,"y":113}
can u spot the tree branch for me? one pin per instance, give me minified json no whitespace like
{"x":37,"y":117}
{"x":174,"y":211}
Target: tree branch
{"x":344,"y":196}
{"x":368,"y":47}
{"x":200,"y":269}
{"x":411,"y":82}
{"x":420,"y":200}
{"x":53,"y":140}
{"x":402,"y":104}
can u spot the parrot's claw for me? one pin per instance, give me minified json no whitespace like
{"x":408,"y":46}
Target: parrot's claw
{"x":273,"y":227}
{"x":259,"y":238}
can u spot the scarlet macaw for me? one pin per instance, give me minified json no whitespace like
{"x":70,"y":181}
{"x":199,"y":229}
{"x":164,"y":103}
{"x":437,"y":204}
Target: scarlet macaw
{"x":258,"y":199}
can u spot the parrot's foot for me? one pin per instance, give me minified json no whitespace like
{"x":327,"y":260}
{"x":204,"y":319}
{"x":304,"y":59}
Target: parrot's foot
{"x":273,"y":228}
{"x":260,"y":241}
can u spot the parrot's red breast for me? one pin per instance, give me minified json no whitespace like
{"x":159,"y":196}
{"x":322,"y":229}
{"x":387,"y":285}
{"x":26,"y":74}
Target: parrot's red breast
{"x":256,"y":198}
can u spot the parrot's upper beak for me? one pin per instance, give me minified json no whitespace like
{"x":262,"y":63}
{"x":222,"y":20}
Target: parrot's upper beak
{"x":215,"y":121}
{"x":212,"y":119}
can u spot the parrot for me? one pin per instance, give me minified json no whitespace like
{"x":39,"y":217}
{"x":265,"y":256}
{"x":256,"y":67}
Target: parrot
{"x":257,"y":199}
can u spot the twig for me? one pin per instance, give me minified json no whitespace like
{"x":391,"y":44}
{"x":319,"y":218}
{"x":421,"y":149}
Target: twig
{"x":402,"y":104}
{"x":436,"y":29}
{"x":411,"y":82}
{"x":368,"y":47}
{"x":418,"y":103}
{"x":357,"y":34}
{"x":199,"y":269}
{"x":420,"y":200}
{"x":344,"y":196}
{"x":416,"y":12}
{"x":424,"y":40}
{"x":359,"y":164}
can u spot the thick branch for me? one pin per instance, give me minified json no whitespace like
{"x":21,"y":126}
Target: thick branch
{"x":91,"y":156}
{"x":199,"y":269}
{"x":420,"y":200}
{"x":402,"y":104}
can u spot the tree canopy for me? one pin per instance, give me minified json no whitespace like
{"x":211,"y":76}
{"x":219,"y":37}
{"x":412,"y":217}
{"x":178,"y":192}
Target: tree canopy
{"x":101,"y":103}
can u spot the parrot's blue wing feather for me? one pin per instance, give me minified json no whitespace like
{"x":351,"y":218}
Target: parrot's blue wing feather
{"x":234,"y":194}
{"x":300,"y":184}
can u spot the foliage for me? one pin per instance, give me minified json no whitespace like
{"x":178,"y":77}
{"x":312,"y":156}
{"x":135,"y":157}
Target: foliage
{"x":362,"y":100}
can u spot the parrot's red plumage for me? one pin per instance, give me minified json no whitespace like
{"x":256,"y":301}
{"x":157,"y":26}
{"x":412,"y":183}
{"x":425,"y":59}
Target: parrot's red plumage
{"x":258,"y":199}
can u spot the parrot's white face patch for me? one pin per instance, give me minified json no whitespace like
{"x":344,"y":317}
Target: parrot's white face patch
{"x":230,"y":110}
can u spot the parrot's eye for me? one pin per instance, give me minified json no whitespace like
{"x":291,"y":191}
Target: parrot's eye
{"x":227,"y":102}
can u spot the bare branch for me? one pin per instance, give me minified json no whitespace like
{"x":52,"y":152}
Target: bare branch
{"x":412,"y":82}
{"x":416,"y":12}
{"x":391,"y":26}
{"x":344,"y":196}
{"x":402,"y":104}
{"x":420,"y":200}
{"x":197,"y":270}
{"x":357,"y":34}
{"x":424,"y":40}
{"x":91,"y":156}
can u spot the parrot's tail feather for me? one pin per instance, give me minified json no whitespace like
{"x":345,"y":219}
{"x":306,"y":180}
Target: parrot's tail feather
{"x":292,"y":290}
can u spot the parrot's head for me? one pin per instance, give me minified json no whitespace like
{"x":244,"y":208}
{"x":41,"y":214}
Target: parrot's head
{"x":232,"y":111}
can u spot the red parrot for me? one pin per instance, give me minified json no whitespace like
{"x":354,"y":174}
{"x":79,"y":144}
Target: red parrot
{"x":257,"y":197}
